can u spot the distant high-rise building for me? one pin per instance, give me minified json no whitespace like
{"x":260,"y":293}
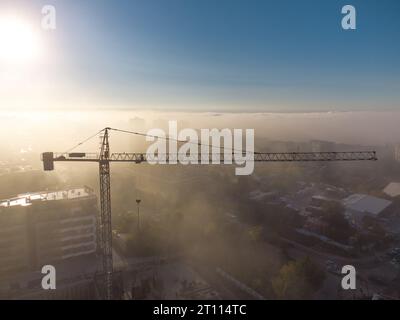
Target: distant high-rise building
{"x":137,"y":143}
{"x":322,"y":146}
{"x":137,"y":124}
{"x":397,"y":152}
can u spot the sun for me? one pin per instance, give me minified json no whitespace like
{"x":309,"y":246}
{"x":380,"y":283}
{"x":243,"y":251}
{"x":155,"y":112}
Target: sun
{"x":18,"y":41}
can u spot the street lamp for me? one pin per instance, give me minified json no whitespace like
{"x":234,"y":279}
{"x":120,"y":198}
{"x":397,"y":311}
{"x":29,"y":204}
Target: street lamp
{"x":138,"y":215}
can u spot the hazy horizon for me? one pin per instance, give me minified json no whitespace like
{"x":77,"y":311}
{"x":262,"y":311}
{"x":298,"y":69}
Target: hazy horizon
{"x":60,"y":130}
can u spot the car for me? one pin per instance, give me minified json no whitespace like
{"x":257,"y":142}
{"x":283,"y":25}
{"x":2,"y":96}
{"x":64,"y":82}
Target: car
{"x":395,"y":262}
{"x":332,"y":267}
{"x":329,"y":262}
{"x":393,"y":252}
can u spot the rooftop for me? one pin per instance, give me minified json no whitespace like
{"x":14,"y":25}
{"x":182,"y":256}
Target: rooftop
{"x":392,"y":189}
{"x":259,"y":195}
{"x":27,"y":199}
{"x":366,"y":203}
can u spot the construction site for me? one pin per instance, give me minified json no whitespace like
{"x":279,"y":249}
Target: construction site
{"x":117,"y":227}
{"x":81,"y":239}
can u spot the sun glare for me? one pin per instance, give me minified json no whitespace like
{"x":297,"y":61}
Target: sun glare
{"x":18,"y":41}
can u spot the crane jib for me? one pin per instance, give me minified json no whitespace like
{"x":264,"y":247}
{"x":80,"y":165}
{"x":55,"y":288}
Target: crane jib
{"x":49,"y":158}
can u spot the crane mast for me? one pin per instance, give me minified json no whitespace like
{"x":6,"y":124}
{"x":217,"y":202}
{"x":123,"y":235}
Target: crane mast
{"x":105,"y":157}
{"x":105,"y":231}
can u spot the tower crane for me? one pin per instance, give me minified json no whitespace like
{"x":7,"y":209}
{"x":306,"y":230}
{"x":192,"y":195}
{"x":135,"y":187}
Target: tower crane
{"x":104,"y":158}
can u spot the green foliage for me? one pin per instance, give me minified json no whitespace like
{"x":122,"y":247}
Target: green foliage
{"x":338,"y":228}
{"x":255,"y":233}
{"x":298,"y":279}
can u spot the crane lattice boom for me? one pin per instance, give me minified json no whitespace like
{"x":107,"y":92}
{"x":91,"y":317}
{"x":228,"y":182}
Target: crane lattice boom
{"x":258,"y":157}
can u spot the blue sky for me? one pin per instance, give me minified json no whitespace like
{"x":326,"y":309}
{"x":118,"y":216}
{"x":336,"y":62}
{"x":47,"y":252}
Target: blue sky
{"x":232,"y":55}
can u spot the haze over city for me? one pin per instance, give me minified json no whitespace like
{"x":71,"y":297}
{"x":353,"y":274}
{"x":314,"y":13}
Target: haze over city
{"x":315,"y":83}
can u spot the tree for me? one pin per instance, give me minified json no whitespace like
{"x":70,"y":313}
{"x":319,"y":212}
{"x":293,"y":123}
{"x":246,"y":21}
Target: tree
{"x":338,"y":228}
{"x":298,"y":279}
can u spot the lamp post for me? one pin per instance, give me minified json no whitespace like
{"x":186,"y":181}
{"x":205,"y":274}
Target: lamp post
{"x":138,"y":214}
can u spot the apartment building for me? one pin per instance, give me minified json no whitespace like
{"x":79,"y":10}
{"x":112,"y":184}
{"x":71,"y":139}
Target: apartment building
{"x":46,"y":227}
